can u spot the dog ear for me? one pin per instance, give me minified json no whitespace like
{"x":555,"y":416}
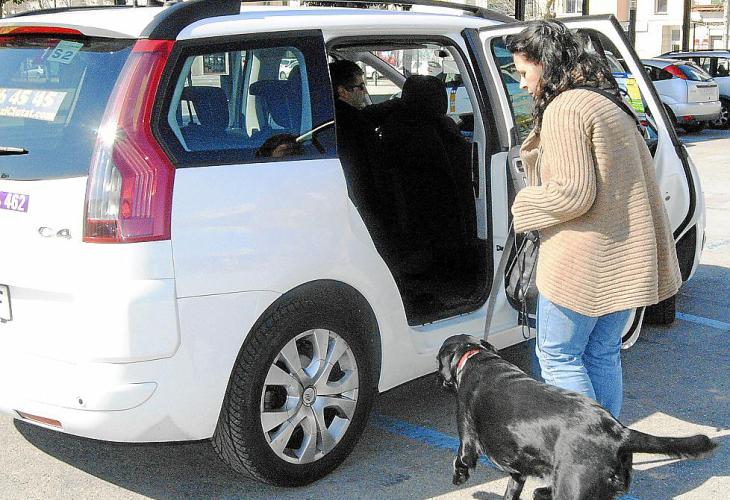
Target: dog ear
{"x":446,"y":370}
{"x":488,"y":346}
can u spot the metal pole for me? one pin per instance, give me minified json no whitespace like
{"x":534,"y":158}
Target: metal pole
{"x":520,"y":10}
{"x":586,"y":8}
{"x":685,"y":24}
{"x":694,"y":37}
{"x":727,"y":24}
{"x":632,"y":23}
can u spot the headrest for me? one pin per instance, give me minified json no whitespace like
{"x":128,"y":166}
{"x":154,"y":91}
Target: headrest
{"x":426,"y":94}
{"x":210,"y":103}
{"x":270,"y":88}
{"x":283,"y":99}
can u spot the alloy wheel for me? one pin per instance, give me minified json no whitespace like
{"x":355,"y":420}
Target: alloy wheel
{"x":309,"y":396}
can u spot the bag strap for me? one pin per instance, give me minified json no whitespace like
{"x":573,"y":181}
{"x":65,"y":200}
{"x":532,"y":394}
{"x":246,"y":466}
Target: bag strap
{"x":616,"y":100}
{"x":498,"y":279}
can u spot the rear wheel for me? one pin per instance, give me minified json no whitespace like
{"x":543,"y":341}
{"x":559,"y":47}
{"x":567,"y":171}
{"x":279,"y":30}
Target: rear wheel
{"x":723,"y":121}
{"x":633,"y":328}
{"x":695,"y":127}
{"x":662,"y":313}
{"x":299,"y":396}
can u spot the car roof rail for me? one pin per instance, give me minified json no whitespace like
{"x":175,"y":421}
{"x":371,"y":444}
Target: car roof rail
{"x":54,"y":10}
{"x":482,"y":12}
{"x":170,"y":21}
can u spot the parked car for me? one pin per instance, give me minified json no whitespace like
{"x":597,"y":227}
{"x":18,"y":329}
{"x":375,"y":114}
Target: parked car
{"x":717,"y":64}
{"x":166,"y":277}
{"x":691,"y":96}
{"x":286,"y":66}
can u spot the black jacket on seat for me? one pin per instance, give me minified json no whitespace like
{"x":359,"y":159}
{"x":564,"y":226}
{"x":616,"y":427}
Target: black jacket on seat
{"x":418,"y":148}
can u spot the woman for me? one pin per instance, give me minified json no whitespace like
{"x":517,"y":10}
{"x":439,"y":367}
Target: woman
{"x":592,"y":194}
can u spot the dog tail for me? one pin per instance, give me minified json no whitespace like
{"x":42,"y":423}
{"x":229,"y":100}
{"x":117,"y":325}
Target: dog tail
{"x":682,"y":447}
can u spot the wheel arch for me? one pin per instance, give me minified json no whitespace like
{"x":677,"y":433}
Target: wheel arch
{"x":349,"y":299}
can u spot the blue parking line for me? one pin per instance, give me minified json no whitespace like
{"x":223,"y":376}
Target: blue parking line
{"x":432,"y":438}
{"x":424,"y":435}
{"x":712,"y":323}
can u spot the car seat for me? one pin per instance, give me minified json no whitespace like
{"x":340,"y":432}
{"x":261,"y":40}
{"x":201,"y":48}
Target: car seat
{"x":281,"y":105}
{"x":209,"y":117}
{"x":430,"y":219}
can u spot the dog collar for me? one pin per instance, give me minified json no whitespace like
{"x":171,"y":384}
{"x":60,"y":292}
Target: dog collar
{"x":464,"y":357}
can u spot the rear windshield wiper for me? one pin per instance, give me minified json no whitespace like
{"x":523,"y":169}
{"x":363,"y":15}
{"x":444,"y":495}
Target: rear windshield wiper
{"x":7,"y":150}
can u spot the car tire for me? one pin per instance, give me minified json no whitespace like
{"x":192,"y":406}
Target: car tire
{"x":276,"y":423}
{"x":723,"y":121}
{"x":662,"y":313}
{"x":633,"y":330}
{"x":693,"y":128}
{"x":282,"y":76}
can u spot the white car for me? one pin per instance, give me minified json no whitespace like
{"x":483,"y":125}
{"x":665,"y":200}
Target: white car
{"x":717,"y":64}
{"x":691,"y":96}
{"x":170,"y":273}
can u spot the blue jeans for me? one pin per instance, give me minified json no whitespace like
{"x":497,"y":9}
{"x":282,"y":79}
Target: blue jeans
{"x":582,"y":353}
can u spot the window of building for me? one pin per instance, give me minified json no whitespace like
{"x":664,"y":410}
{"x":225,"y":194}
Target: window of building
{"x":676,"y":39}
{"x":660,"y":7}
{"x":573,"y":6}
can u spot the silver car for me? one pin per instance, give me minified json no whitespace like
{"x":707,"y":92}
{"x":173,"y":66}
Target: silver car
{"x":690,"y":95}
{"x":717,"y":64}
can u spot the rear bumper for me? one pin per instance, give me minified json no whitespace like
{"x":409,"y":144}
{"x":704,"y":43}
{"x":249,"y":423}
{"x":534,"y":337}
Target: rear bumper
{"x":175,"y":398}
{"x":700,"y":111}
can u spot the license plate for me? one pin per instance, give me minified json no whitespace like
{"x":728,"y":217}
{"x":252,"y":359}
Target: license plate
{"x":5,"y":312}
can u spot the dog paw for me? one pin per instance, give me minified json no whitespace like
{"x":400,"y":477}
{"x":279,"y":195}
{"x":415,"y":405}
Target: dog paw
{"x":461,"y":474}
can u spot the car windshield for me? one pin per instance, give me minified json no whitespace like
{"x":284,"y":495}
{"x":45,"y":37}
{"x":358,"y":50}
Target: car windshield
{"x":694,"y":72}
{"x":53,"y":93}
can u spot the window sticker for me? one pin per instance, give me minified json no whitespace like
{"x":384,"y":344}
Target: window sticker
{"x":14,"y":201}
{"x":29,"y":103}
{"x":65,"y":52}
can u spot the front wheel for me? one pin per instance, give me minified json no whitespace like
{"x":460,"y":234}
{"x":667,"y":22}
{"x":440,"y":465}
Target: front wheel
{"x":662,"y":313}
{"x":299,"y":396}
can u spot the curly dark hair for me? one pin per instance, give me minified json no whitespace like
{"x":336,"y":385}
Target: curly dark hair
{"x":566,"y":62}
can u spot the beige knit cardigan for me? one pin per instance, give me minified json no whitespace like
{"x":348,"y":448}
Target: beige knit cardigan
{"x":606,"y":242}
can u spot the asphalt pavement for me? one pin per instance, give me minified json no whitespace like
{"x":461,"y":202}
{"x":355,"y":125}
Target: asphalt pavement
{"x":677,"y":382}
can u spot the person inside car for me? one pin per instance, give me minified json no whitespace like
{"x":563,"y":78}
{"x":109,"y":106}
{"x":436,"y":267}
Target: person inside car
{"x":279,"y":146}
{"x":357,"y":142}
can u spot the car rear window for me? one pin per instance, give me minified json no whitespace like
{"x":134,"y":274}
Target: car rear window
{"x":53,"y":93}
{"x":694,"y":72}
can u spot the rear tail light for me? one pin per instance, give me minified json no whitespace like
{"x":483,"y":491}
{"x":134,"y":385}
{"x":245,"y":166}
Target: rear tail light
{"x":129,"y":191}
{"x":675,"y":71}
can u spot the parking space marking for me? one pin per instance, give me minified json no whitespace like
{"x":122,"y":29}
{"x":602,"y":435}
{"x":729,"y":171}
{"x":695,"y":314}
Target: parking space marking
{"x":432,"y":438}
{"x":713,"y":323}
{"x":424,"y":435}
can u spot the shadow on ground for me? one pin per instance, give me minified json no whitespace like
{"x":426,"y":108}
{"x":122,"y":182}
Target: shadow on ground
{"x":679,"y":371}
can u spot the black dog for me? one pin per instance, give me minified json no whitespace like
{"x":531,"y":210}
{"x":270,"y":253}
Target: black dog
{"x":528,"y":428}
